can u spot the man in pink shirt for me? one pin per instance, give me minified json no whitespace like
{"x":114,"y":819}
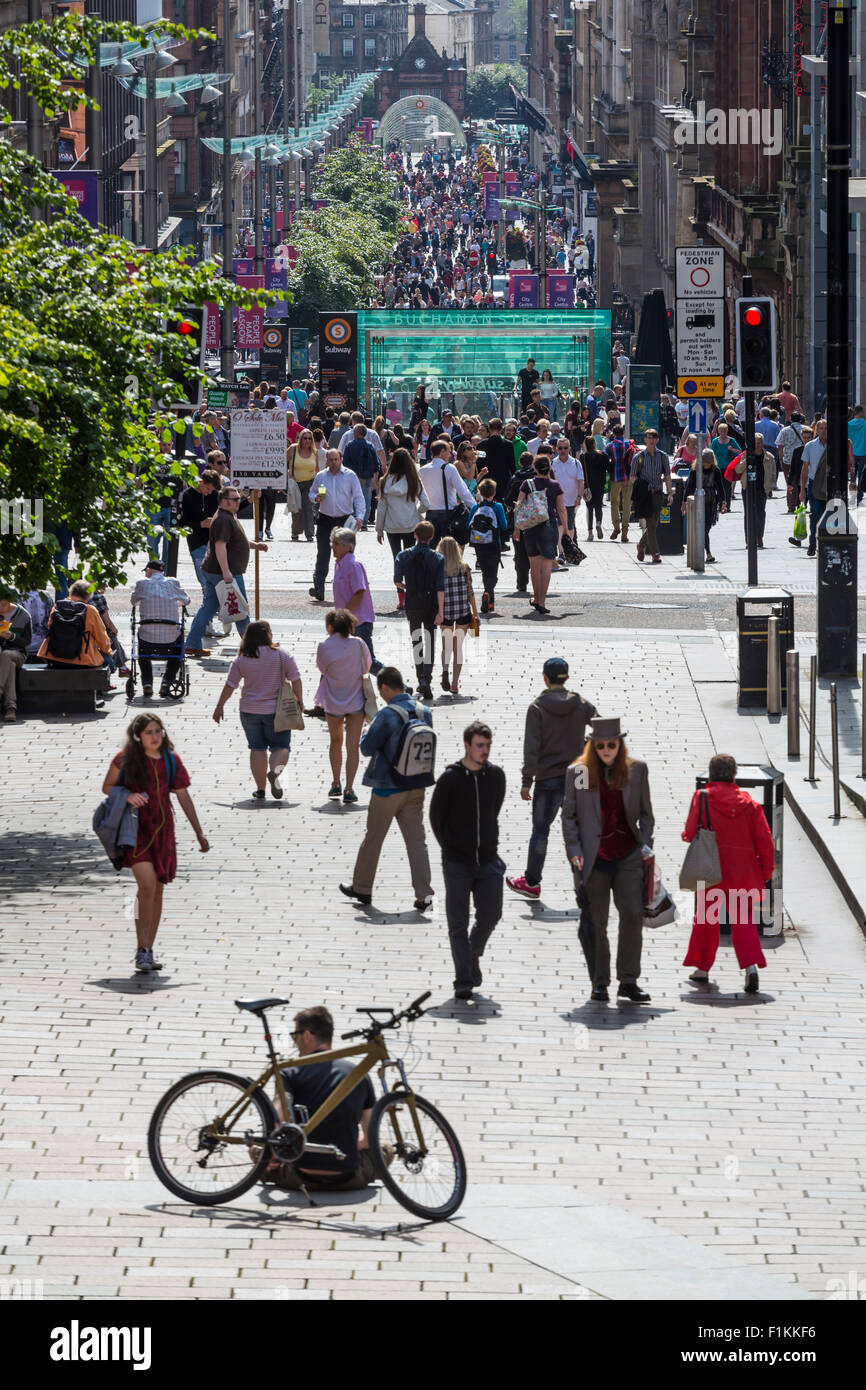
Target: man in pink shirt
{"x":352,"y":588}
{"x":788,"y":401}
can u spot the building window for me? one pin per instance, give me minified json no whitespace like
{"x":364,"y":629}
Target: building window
{"x":348,"y":48}
{"x":369,"y":19}
{"x":348,"y":20}
{"x":369,"y":48}
{"x":181,"y":172}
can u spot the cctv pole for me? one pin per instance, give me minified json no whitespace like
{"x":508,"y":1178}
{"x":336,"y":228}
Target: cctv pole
{"x":837,"y":549}
{"x":296,"y":56}
{"x":750,"y":496}
{"x":227,"y":354}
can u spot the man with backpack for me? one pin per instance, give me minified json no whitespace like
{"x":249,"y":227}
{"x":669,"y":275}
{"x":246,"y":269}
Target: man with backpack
{"x":488,"y":533}
{"x":76,"y":633}
{"x":401,"y":746}
{"x":420,"y":571}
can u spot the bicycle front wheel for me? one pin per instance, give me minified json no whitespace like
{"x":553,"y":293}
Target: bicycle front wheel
{"x":190,"y":1144}
{"x":417,"y":1155}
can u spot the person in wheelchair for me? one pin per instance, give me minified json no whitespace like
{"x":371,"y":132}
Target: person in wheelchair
{"x":159,"y":598}
{"x":346,"y":1126}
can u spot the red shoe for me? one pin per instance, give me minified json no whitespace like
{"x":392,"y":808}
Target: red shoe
{"x":526,"y":890}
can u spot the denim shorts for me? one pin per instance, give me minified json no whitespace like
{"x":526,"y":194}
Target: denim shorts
{"x":261,"y":734}
{"x":541,"y":540}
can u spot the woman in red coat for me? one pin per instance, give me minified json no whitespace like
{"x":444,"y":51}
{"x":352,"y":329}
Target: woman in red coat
{"x":747,"y":857}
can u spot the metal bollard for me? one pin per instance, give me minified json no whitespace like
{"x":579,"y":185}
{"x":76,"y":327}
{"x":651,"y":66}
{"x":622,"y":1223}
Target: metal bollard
{"x":774,"y":670}
{"x":863,"y":718}
{"x":690,"y":532}
{"x":813,"y":701}
{"x":834,"y":739}
{"x":792,"y":672}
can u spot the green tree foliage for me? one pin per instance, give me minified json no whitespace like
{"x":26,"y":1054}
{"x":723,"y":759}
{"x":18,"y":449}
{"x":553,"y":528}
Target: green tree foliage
{"x":488,"y":88}
{"x":356,"y":176}
{"x":84,"y":353}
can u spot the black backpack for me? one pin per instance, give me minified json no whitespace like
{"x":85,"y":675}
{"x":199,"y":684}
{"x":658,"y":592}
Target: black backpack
{"x":67,"y":639}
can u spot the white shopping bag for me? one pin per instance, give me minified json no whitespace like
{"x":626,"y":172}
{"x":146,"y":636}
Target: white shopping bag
{"x":233,"y":606}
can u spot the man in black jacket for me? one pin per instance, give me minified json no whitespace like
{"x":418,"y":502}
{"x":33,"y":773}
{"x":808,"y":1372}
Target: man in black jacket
{"x":499,"y":457}
{"x":420,"y":572}
{"x":464,"y":815}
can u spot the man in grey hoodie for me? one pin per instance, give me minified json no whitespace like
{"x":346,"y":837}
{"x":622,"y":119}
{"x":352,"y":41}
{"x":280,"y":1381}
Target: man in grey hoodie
{"x":554,"y":735}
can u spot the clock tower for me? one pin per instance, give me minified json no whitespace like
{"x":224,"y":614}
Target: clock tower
{"x":421,"y":71}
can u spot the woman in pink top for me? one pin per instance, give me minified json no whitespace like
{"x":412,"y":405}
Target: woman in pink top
{"x":343,"y":660}
{"x":262,"y":667}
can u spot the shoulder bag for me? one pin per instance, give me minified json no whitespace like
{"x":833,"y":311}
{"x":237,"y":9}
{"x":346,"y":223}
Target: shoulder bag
{"x":293,"y":492}
{"x":458,"y":515}
{"x":701,"y":864}
{"x":641,"y":495}
{"x":532,"y":509}
{"x":288,"y":714}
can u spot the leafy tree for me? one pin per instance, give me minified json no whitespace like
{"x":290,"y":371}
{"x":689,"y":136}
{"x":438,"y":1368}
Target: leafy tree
{"x":488,"y":89}
{"x":356,"y":176}
{"x":340,"y":250}
{"x":84,"y":347}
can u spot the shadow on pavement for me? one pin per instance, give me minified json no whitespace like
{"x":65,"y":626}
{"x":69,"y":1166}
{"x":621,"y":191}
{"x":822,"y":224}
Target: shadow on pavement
{"x":714,"y":998}
{"x":477,"y":1010}
{"x":52,"y":860}
{"x":616,"y":1014}
{"x":136,"y":984}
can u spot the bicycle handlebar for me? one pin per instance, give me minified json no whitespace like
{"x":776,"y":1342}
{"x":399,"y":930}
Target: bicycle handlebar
{"x":411,"y":1012}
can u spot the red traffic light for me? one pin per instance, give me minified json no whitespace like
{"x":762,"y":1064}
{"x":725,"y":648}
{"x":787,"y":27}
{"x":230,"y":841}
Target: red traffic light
{"x":753,"y":316}
{"x":185,"y":326}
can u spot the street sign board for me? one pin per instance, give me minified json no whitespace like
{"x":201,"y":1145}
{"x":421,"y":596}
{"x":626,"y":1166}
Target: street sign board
{"x":700,"y":272}
{"x":700,"y":337}
{"x":710,"y":388}
{"x":698,"y":417}
{"x":258,"y":456}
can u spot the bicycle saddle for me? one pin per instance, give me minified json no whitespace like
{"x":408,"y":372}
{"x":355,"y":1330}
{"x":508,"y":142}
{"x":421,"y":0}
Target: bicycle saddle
{"x":258,"y":1006}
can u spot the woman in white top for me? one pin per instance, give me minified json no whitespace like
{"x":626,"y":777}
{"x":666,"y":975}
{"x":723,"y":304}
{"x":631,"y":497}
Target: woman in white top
{"x":549,"y":391}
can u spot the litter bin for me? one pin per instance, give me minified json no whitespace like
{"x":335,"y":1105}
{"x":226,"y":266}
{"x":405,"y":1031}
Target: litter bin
{"x":670,"y":527}
{"x":754,"y":608}
{"x":767,"y":785}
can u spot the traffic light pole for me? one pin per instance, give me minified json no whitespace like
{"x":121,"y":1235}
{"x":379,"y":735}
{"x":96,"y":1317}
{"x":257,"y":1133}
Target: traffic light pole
{"x":750,"y":496}
{"x":837,"y":544}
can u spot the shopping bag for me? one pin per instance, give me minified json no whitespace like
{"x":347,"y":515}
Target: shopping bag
{"x":371,"y":704}
{"x":801,"y":528}
{"x":288,"y":713}
{"x":649,"y":878}
{"x":233,"y":606}
{"x":293,"y":496}
{"x":701,"y":865}
{"x":661,"y":909}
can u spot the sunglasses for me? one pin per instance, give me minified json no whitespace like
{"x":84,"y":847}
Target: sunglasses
{"x":612,"y":745}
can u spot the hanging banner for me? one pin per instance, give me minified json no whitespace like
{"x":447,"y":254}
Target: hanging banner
{"x":491,"y":200}
{"x":83,"y":187}
{"x":242,"y":267}
{"x":258,"y":456}
{"x":338,"y":360}
{"x":248,"y":329}
{"x":524,"y":290}
{"x":275,"y":343}
{"x":560,"y":290}
{"x":212,"y":332}
{"x":275,"y":279}
{"x":512,"y":190}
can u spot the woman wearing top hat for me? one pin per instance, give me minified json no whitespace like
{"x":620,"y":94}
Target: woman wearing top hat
{"x":607,"y":819}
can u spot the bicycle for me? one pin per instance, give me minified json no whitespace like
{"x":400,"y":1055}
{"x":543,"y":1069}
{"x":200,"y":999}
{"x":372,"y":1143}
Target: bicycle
{"x":197,"y":1144}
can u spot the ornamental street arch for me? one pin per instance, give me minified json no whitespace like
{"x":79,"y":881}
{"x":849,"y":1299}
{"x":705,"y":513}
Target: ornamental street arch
{"x":418,"y":120}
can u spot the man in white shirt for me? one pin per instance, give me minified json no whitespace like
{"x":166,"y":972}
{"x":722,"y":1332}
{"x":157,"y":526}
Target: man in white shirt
{"x":568,"y":472}
{"x":337,"y":495}
{"x":159,"y":599}
{"x":284,"y":403}
{"x":444,"y":488}
{"x":371,"y":436}
{"x":543,"y":430}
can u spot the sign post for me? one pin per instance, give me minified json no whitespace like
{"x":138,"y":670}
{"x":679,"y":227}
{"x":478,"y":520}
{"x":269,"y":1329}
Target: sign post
{"x":258,"y":460}
{"x":700,"y":325}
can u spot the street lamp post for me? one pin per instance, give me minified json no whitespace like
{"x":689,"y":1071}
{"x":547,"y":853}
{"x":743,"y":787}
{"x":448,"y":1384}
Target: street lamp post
{"x":93,"y":130}
{"x":151,"y":192}
{"x":258,"y":190}
{"x":227,"y":354}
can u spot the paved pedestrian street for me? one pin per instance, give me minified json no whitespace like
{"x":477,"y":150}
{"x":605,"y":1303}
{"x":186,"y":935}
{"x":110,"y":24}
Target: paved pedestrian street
{"x":708,"y":1145}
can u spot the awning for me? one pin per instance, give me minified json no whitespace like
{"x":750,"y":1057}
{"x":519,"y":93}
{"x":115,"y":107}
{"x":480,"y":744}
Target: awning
{"x":528,"y":111}
{"x":579,"y":166}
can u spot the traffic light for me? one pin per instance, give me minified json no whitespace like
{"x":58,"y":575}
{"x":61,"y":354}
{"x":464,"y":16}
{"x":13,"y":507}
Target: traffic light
{"x":756,"y":344}
{"x":191,"y":331}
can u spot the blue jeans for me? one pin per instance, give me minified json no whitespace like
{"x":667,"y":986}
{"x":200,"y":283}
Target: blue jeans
{"x":547,"y":796}
{"x":367,"y":490}
{"x":210,"y":607}
{"x":859,"y":465}
{"x":197,"y":556}
{"x":816,"y":511}
{"x":61,"y":580}
{"x":160,"y":518}
{"x":365,"y":632}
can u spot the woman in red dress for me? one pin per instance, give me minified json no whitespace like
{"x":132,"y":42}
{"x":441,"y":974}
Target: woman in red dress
{"x":152,"y":771}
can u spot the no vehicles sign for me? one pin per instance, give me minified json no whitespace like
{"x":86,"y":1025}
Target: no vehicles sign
{"x":700,"y":272}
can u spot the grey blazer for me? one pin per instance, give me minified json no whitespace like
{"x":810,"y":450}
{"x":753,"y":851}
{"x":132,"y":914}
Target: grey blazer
{"x":581,"y":814}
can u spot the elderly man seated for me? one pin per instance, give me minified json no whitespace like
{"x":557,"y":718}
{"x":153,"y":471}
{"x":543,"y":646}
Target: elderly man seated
{"x":15,"y":634}
{"x":159,"y":598}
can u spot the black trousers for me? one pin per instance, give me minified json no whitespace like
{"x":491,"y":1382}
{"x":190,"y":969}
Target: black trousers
{"x":267,"y":507}
{"x":146,"y":650}
{"x":324,"y":526}
{"x":421,"y":630}
{"x":488,"y":559}
{"x":521,"y":563}
{"x":399,"y":542}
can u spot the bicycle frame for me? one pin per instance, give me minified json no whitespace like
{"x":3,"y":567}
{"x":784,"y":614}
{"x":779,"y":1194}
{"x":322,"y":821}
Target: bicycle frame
{"x":373,"y":1053}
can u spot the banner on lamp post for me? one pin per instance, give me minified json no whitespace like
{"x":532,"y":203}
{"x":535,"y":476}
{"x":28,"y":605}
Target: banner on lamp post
{"x":524,"y":290}
{"x":83,"y":186}
{"x":560,"y":290}
{"x":491,"y":201}
{"x":248,"y":329}
{"x":214,"y":324}
{"x":242,"y":266}
{"x":275,"y":279}
{"x":512,"y":190}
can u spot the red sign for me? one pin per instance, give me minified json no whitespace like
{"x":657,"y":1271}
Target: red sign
{"x":473,"y":259}
{"x":250,"y":325}
{"x":212,"y":336}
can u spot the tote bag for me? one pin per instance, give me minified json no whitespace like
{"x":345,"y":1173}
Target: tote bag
{"x":294,"y":502}
{"x":288,"y":714}
{"x":701,"y":864}
{"x":532,"y":509}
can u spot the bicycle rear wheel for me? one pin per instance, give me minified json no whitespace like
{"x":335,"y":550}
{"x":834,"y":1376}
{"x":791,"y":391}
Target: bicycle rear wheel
{"x":427,"y":1172}
{"x":187,"y":1144}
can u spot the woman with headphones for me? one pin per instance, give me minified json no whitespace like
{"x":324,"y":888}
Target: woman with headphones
{"x":151,"y":770}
